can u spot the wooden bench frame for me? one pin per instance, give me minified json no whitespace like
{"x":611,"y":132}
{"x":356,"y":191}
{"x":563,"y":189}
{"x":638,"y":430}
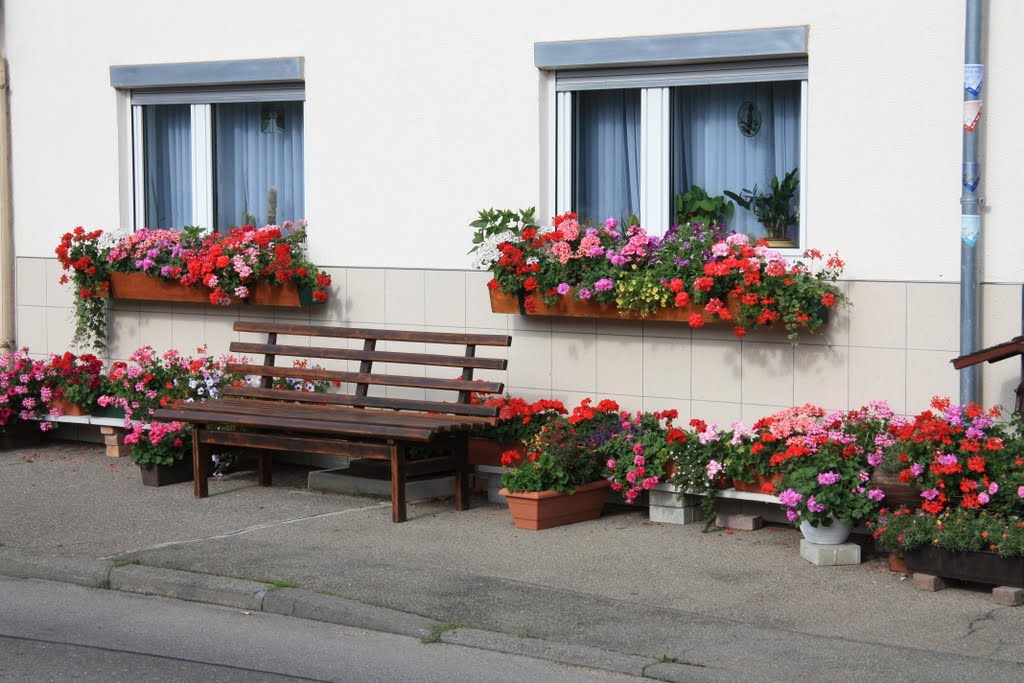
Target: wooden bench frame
{"x":355,"y":423}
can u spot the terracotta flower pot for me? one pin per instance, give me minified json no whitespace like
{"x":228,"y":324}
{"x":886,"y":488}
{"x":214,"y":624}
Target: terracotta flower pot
{"x":545,"y":509}
{"x":68,"y":407}
{"x":757,"y":486}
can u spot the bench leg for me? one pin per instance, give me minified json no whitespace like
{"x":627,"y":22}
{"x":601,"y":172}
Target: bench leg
{"x":397,"y":482}
{"x":264,"y":468}
{"x":200,"y":465}
{"x":462,"y":494}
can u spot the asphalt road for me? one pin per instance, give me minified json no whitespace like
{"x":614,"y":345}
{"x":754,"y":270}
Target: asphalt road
{"x":61,"y":632}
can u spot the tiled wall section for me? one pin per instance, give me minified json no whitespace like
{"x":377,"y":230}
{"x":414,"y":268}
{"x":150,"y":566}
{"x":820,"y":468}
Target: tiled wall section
{"x":894,"y":343}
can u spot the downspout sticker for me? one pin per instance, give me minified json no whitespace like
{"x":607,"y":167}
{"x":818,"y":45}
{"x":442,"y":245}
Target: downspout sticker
{"x":971,"y":175}
{"x":972,"y":114}
{"x":970,"y":228}
{"x":974,"y":78}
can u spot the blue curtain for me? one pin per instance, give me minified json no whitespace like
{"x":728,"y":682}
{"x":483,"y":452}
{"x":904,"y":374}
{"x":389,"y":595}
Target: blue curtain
{"x":606,"y":164}
{"x":167,"y":131}
{"x":709,"y":148}
{"x":258,"y":163}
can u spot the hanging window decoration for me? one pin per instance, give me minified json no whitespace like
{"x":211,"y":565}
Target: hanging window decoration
{"x":748,"y":118}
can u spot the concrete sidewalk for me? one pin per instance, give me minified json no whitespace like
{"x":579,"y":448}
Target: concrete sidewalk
{"x":620,"y":592}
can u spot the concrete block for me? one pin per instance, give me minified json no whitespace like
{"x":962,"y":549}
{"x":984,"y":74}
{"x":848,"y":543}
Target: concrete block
{"x":927,"y":582}
{"x":673,"y":515}
{"x":118,"y":451}
{"x":340,"y":481}
{"x":1008,"y":595}
{"x":667,"y":495}
{"x":822,"y":555}
{"x":31,"y":564}
{"x":171,"y":583}
{"x":740,"y":522}
{"x":105,"y":430}
{"x":295,"y":602}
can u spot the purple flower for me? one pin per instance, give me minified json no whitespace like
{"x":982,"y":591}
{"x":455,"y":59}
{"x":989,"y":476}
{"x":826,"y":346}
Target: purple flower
{"x":792,"y":516}
{"x":876,"y":494}
{"x":875,"y":459}
{"x":916,"y":469}
{"x":983,"y":498}
{"x":993,"y":488}
{"x":1020,"y":491}
{"x":863,"y":476}
{"x":828,"y":478}
{"x":583,"y":293}
{"x":563,"y":288}
{"x":948,"y":459}
{"x":932,"y":494}
{"x":791,"y":498}
{"x":815,"y":506}
{"x":604,"y":284}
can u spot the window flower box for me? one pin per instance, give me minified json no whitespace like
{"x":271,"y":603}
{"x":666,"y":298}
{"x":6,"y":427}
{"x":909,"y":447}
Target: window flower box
{"x":568,"y":307}
{"x":143,"y":287}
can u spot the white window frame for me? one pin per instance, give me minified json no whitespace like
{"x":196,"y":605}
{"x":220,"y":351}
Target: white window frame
{"x":200,"y":85}
{"x":745,"y":56}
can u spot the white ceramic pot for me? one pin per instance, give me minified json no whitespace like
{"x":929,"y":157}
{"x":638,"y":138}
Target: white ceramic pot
{"x":835,"y":534}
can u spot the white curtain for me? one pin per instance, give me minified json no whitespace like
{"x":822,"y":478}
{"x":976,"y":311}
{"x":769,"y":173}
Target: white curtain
{"x":259,"y":165}
{"x":167,"y":131}
{"x":710,"y":150}
{"x":606,"y":167}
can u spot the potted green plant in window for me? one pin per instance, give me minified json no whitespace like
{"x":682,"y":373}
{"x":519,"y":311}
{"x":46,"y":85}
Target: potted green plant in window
{"x":776,"y":208}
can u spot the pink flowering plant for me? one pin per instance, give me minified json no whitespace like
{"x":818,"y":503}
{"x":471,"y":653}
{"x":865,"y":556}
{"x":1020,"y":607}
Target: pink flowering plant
{"x":637,"y":456}
{"x":25,"y":389}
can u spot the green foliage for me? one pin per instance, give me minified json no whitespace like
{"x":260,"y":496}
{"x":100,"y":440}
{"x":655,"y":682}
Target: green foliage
{"x":960,"y":530}
{"x":492,"y":222}
{"x":776,"y":208}
{"x":697,"y":206}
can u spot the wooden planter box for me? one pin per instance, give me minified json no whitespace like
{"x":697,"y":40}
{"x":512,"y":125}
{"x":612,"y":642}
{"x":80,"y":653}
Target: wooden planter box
{"x":757,"y":486}
{"x":143,"y":287}
{"x":897,"y":493}
{"x":980,"y":567}
{"x":546,"y":509}
{"x":163,"y":475}
{"x":567,"y":307}
{"x":488,"y":451}
{"x":19,"y":434}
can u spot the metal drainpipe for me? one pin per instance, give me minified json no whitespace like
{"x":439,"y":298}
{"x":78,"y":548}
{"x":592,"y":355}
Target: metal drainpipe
{"x":6,"y":219}
{"x":970,"y":204}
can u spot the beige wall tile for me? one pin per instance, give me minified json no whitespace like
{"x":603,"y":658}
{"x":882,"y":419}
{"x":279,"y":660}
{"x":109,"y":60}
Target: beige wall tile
{"x":626,"y":402}
{"x":622,"y":328}
{"x":721,"y":413}
{"x":753,"y":412}
{"x":666,"y":330}
{"x":218,"y":334}
{"x":31,"y":284}
{"x":822,"y":376}
{"x":301,"y":315}
{"x":334,"y":309}
{"x":189,"y":331}
{"x":445,"y":297}
{"x":156,"y":329}
{"x":715,"y":371}
{"x":574,"y":325}
{"x":879,"y":314}
{"x":666,"y":367}
{"x":529,"y":361}
{"x":652,"y":403}
{"x":531,"y":323}
{"x":767,"y":373}
{"x":620,"y":365}
{"x":405,"y":297}
{"x":933,"y":316}
{"x":878,"y":374}
{"x":123,"y":333}
{"x":365,"y":296}
{"x":531,"y":394}
{"x":998,"y":383}
{"x":60,"y":327}
{"x":1000,"y":314}
{"x":574,"y":362}
{"x":478,"y":304}
{"x":929,"y":373}
{"x":836,"y":332}
{"x":56,"y":293}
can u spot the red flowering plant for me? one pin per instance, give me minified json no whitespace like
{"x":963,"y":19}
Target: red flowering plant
{"x":519,"y":420}
{"x":25,"y":389}
{"x":702,"y":457}
{"x":564,"y":455}
{"x":719,"y":275}
{"x":82,"y":257}
{"x":76,"y":379}
{"x":637,"y":456}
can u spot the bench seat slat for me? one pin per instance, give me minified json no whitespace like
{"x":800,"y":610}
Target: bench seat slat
{"x":298,"y":329}
{"x":334,"y":428}
{"x":435,"y":360}
{"x":368,"y":378}
{"x":331,"y":412}
{"x":300,"y":444}
{"x":383,"y":402}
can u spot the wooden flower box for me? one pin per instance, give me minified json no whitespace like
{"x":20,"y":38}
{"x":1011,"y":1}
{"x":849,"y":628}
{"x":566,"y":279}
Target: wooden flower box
{"x":143,"y":287}
{"x":568,"y":307}
{"x":979,"y":567}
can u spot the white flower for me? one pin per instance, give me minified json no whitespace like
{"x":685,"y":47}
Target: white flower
{"x":487,"y":253}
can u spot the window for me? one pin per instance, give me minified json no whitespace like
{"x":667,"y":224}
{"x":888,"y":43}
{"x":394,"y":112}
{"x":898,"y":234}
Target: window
{"x":723,"y":111}
{"x":216,"y":144}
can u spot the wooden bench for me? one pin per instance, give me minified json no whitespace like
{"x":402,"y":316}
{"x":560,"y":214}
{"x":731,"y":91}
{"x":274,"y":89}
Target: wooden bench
{"x":354,"y":422}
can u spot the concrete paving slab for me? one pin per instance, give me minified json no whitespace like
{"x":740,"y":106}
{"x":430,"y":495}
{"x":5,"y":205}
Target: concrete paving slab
{"x":170,"y":583}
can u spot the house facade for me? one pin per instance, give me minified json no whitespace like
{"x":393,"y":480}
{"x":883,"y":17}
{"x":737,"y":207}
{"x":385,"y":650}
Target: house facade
{"x":389,"y":125}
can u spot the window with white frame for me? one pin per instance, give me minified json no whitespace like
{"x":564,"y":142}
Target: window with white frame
{"x":216,"y":155}
{"x":722,"y":111}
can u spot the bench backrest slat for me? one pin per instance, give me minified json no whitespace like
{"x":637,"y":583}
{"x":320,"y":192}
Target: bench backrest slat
{"x":326,"y":353}
{"x":301,"y":330}
{"x":368,"y":378}
{"x":476,"y":410}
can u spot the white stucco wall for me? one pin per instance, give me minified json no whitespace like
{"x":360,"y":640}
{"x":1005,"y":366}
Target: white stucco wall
{"x":418,"y":114}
